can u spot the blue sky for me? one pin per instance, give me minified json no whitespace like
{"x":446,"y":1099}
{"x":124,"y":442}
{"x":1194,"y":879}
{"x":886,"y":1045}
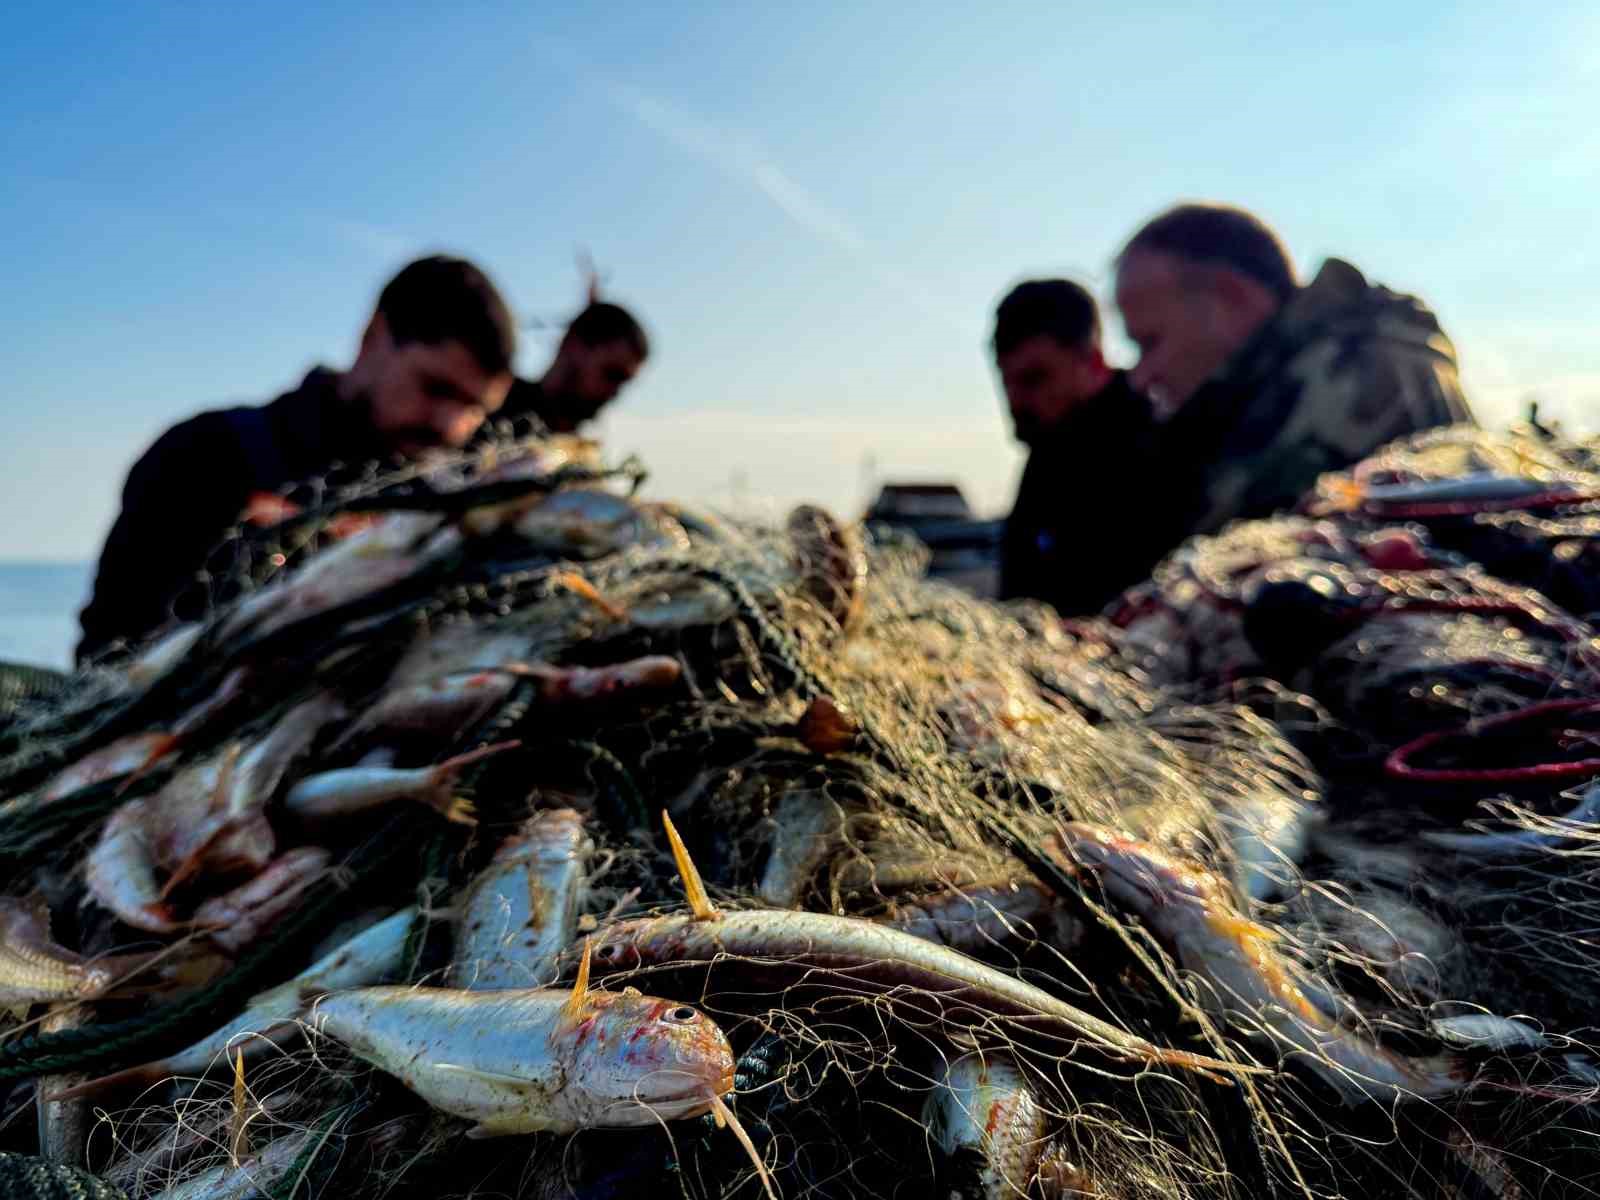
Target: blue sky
{"x":814,"y":207}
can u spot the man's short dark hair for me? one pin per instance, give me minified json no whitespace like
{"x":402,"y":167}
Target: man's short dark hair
{"x":602,"y":322}
{"x":441,"y":299}
{"x":1217,"y":235}
{"x":1056,"y":308}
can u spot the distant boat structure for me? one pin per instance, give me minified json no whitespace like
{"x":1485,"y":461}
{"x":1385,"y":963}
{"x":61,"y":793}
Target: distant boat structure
{"x":966,"y":551}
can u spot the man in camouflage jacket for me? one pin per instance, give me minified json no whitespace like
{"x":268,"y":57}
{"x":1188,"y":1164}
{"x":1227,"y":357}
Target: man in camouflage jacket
{"x":1268,"y":383}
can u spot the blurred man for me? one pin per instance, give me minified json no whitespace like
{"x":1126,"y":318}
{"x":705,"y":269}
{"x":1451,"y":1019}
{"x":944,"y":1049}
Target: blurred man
{"x":1270,"y":383}
{"x":434,"y":361}
{"x":600,"y":353}
{"x":1079,"y":532}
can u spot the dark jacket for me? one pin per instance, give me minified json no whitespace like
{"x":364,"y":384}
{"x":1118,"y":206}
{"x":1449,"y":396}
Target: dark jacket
{"x":1343,"y":367}
{"x":1085,"y":526}
{"x":188,"y":491}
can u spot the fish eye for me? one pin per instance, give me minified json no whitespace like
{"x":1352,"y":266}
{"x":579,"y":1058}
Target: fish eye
{"x":682,"y":1015}
{"x":609,"y":953}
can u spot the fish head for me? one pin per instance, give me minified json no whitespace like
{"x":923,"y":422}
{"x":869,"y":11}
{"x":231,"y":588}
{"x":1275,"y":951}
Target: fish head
{"x":640,"y":1059}
{"x":1138,"y":877}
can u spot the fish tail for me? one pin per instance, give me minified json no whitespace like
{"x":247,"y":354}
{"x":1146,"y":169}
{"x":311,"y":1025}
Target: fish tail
{"x":440,"y":792}
{"x":160,"y":748}
{"x":141,"y":1076}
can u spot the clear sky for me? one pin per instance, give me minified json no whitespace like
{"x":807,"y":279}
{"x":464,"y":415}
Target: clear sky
{"x":813,"y":206}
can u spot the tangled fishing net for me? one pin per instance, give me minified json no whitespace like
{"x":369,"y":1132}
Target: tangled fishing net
{"x":1278,"y":880}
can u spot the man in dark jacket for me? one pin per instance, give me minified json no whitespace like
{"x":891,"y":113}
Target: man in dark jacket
{"x":600,"y":353}
{"x":1078,"y":534}
{"x":435,"y":360}
{"x":1270,"y":383}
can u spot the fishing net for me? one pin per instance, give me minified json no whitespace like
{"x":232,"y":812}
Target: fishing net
{"x":1280,"y":878}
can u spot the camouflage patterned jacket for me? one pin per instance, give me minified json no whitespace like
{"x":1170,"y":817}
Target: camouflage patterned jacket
{"x":1344,"y":367}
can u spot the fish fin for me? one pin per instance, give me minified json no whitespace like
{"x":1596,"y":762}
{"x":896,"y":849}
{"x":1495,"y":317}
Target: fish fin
{"x":694,"y":887}
{"x":579,"y":586}
{"x":1241,"y":928}
{"x":487,"y":1076}
{"x":190,"y":866}
{"x":573,"y":1009}
{"x":164,"y":745}
{"x":438,"y":795}
{"x":236,"y":1125}
{"x":144,"y":1074}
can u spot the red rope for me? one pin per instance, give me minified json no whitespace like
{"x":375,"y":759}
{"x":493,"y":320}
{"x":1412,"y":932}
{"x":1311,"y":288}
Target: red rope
{"x":1398,"y":764}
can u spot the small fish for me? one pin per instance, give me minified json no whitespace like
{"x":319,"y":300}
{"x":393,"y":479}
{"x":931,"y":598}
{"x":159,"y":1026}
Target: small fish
{"x":126,"y":756}
{"x":565,"y":685}
{"x":521,"y":912}
{"x":254,"y":1178}
{"x":438,"y":708}
{"x":1268,"y":835}
{"x":356,"y":789}
{"x":190,"y":1133}
{"x":1477,"y":485}
{"x":160,"y":656}
{"x":540,"y":1059}
{"x":583,"y":523}
{"x":849,"y":956}
{"x":372,"y":956}
{"x":988,"y":1124}
{"x":239,"y":917}
{"x":366,"y":562}
{"x":1527,"y":833}
{"x":34,"y":969}
{"x":808,"y":829}
{"x":1191,"y":909}
{"x":997,"y":913}
{"x":120,"y":873}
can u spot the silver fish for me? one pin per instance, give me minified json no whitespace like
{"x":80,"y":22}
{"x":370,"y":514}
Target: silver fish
{"x":808,"y":829}
{"x":989,"y":1125}
{"x":254,"y":1178}
{"x":521,"y":912}
{"x":526,"y":1060}
{"x":374,"y":955}
{"x":1527,"y":832}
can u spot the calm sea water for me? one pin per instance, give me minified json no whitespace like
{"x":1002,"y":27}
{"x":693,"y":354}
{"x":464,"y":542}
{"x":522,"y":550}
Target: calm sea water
{"x":39,"y":605}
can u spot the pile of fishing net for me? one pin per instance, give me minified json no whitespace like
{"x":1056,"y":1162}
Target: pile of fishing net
{"x":500,"y":833}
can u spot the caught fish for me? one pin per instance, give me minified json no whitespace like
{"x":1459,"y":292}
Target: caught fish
{"x":989,"y":1125}
{"x":125,"y":756}
{"x":34,"y":969}
{"x":849,"y":956}
{"x":366,"y":562}
{"x":239,"y":917}
{"x":439,"y":708}
{"x":1191,"y":910}
{"x":1268,"y":836}
{"x":191,"y":1134}
{"x":209,"y":818}
{"x":563,"y":685}
{"x":997,"y":913}
{"x":253,"y":1178}
{"x":1527,"y":832}
{"x":160,"y":656}
{"x":521,"y":912}
{"x":808,"y":829}
{"x":529,"y":1060}
{"x":582,"y":523}
{"x":372,"y":956}
{"x":356,"y":789}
